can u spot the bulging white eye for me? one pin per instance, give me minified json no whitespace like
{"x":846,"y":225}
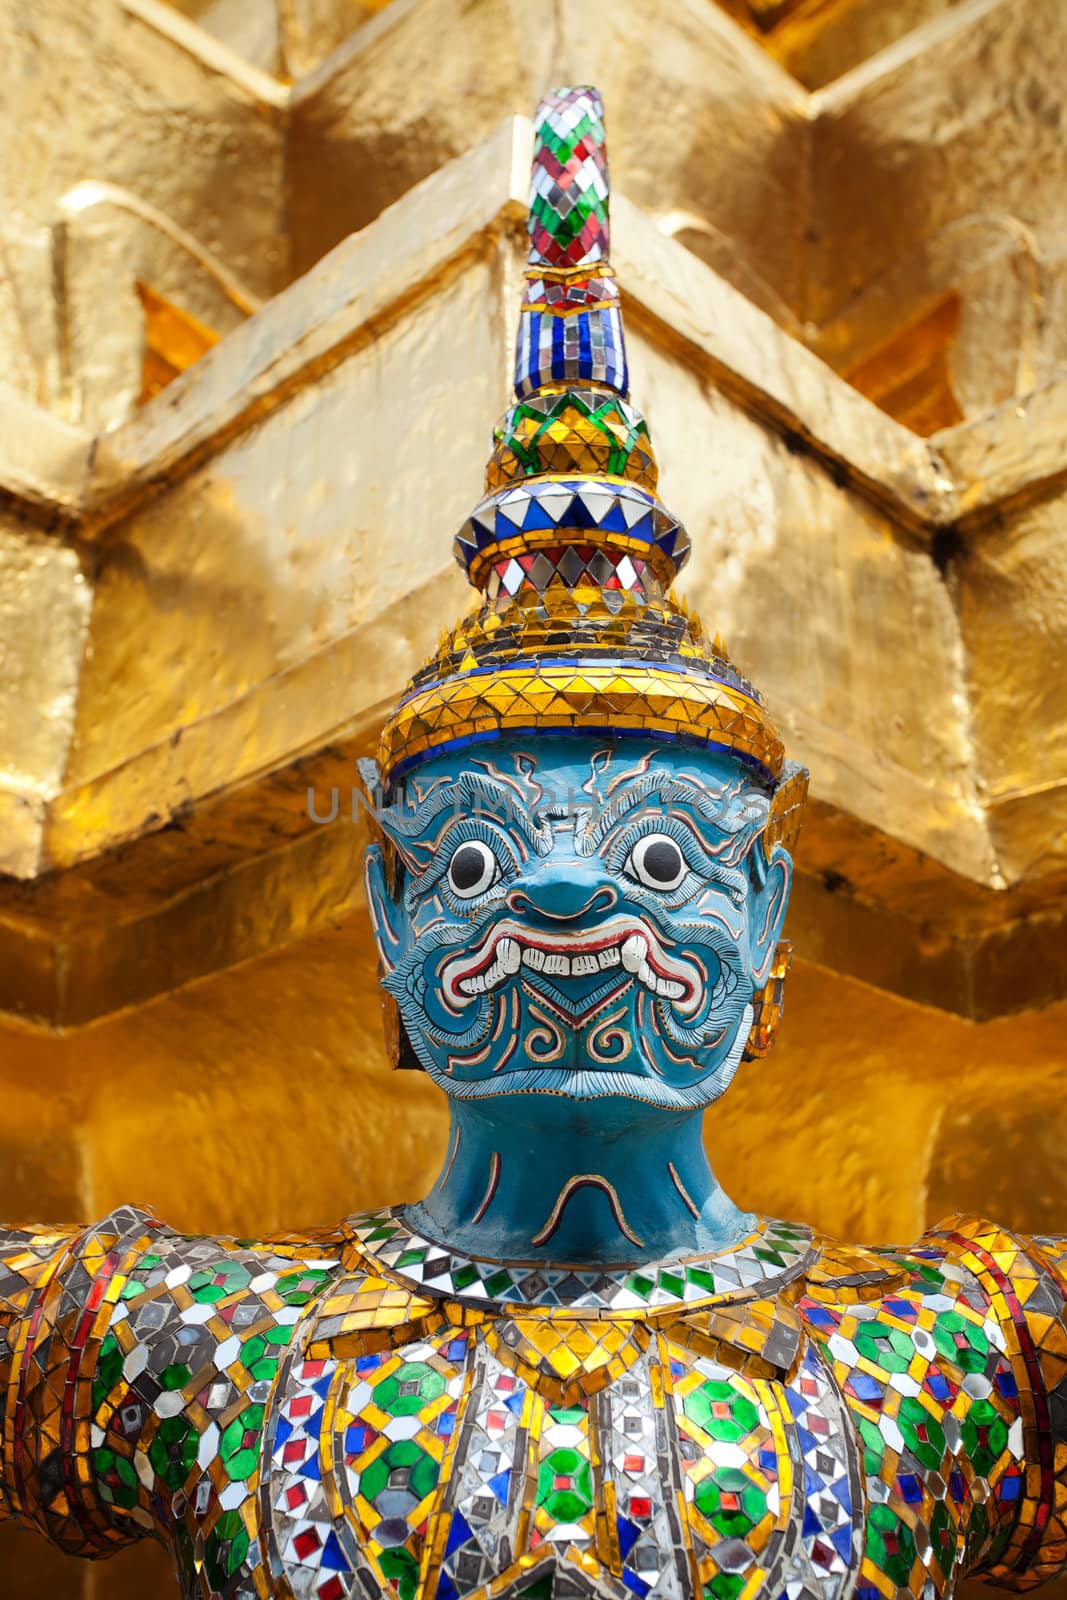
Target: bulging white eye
{"x":473,"y":869}
{"x":657,"y":862}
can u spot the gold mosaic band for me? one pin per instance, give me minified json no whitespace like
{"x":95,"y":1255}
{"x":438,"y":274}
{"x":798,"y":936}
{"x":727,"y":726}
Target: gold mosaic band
{"x":624,"y":697}
{"x":600,"y":269}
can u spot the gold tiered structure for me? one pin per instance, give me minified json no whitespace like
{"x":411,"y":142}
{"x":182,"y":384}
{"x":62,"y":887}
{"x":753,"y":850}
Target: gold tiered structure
{"x":256,"y":288}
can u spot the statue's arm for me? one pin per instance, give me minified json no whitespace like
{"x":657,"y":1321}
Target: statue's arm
{"x":56,"y":1289}
{"x":1025,"y":1280}
{"x":136,"y":1367}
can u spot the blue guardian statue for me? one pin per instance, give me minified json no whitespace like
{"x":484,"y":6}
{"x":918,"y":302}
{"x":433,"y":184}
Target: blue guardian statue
{"x":575,"y":1368}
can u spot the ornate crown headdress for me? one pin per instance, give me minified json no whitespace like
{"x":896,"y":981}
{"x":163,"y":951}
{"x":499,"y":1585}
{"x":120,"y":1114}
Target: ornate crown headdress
{"x":573,"y":552}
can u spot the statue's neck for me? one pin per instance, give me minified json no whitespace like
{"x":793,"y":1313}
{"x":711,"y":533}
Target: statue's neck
{"x":539,"y":1177}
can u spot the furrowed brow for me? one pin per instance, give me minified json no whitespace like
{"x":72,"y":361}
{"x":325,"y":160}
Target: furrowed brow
{"x":599,"y":823}
{"x":417,"y":834}
{"x":736,"y":813}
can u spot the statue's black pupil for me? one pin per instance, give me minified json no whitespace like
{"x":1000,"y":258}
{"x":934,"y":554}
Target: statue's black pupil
{"x":468,"y":866}
{"x":662,"y":860}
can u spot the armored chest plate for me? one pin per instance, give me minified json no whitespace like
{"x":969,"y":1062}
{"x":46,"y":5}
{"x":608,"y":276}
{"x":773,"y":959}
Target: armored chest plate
{"x":443,"y":1463}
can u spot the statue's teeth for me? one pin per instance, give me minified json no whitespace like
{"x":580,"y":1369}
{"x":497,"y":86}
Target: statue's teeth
{"x":509,"y":955}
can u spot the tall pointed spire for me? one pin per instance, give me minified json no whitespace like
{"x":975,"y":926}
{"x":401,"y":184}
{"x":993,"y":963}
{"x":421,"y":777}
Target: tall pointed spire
{"x":571,"y":547}
{"x":572,"y":413}
{"x":570,"y":330}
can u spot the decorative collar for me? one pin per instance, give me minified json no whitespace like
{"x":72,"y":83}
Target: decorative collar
{"x":759,"y":1266}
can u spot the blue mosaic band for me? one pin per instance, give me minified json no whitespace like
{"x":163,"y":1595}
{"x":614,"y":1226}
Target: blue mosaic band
{"x":570,"y":329}
{"x":572,"y":347}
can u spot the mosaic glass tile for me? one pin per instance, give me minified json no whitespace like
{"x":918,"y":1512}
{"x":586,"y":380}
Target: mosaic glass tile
{"x":571,"y":505}
{"x":774,"y":1254}
{"x":372,"y":1412}
{"x":369,"y":1412}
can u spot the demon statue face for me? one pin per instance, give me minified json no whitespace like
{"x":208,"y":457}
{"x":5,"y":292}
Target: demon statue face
{"x":557,"y":914}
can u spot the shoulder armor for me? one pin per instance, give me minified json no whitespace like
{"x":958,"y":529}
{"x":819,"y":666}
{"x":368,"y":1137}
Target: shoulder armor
{"x":1027,"y":1295}
{"x":59,"y":1289}
{"x":363,"y":1314}
{"x":131,"y":1345}
{"x":847,"y":1272}
{"x":760,"y":1338}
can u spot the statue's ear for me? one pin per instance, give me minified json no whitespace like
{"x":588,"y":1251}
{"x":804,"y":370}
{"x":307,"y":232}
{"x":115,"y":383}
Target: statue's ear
{"x":382,"y":874}
{"x":385,"y":905}
{"x":771,"y":884}
{"x":386,"y":914}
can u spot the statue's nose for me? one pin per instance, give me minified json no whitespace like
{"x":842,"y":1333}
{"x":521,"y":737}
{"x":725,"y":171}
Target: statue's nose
{"x":562,"y":896}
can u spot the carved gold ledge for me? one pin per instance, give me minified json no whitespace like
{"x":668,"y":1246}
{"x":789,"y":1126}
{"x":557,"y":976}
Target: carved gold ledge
{"x":768,"y":183}
{"x":208,"y":608}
